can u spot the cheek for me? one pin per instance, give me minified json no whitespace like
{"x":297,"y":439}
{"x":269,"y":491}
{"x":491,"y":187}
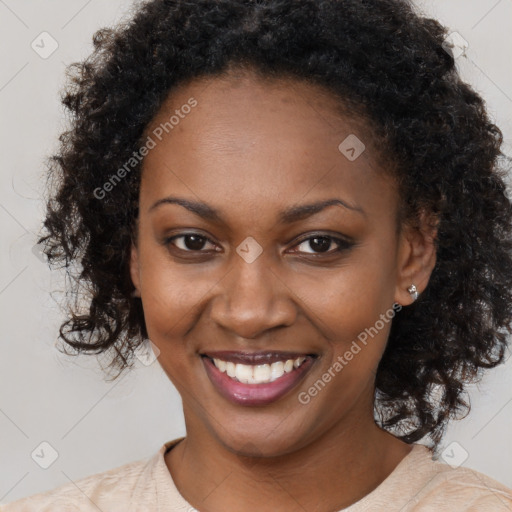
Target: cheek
{"x":170,"y":293}
{"x":353,"y":306}
{"x":170,"y":302}
{"x":170,"y":305}
{"x":353,"y":296}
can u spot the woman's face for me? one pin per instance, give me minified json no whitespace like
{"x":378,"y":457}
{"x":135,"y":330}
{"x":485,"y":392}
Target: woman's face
{"x":246,"y":268}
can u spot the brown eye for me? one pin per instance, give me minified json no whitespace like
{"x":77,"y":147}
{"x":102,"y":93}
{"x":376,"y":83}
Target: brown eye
{"x":319,"y":243}
{"x":189,"y":242}
{"x":322,"y":244}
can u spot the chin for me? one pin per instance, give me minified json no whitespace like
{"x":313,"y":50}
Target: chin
{"x":262,"y":442}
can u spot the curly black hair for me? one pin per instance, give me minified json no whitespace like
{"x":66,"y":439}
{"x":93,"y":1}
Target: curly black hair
{"x":391,"y":65}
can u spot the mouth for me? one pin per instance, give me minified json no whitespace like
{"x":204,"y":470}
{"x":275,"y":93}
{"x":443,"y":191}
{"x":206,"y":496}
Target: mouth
{"x":256,"y":378}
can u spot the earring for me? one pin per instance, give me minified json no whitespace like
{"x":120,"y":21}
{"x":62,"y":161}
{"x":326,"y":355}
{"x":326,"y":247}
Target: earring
{"x":413,"y":291}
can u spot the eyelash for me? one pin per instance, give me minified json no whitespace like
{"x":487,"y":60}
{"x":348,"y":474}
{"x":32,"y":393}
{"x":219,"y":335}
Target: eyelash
{"x":343,"y":245}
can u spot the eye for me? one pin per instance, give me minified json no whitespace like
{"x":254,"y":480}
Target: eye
{"x":189,"y":242}
{"x":322,"y":244}
{"x":315,"y":245}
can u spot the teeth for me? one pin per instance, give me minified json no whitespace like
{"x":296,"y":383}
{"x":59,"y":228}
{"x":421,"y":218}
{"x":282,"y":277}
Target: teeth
{"x":230,"y":367}
{"x":243,"y":373}
{"x":276,"y":370}
{"x":260,"y":373}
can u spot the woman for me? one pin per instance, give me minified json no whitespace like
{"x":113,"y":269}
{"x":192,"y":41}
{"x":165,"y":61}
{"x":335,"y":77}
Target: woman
{"x":301,"y":205}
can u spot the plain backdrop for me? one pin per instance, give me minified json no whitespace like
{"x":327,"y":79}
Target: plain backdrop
{"x":46,"y":397}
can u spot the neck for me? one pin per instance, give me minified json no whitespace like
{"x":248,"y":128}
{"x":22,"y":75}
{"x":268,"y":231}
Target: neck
{"x":330,"y":473}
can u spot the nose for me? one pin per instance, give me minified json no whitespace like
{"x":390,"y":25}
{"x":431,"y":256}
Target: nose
{"x":252,"y":298}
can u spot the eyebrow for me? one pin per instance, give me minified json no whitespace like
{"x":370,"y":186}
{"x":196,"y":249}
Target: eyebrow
{"x":287,"y":216}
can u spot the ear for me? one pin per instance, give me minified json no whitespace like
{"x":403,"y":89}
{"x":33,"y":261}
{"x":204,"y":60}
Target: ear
{"x":134,"y":270}
{"x":416,"y":257}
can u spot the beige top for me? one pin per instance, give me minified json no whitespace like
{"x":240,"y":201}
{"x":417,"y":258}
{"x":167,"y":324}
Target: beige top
{"x":417,"y":484}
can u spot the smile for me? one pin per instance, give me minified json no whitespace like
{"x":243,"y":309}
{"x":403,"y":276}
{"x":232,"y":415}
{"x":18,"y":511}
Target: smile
{"x":257,"y":374}
{"x":255,"y":378}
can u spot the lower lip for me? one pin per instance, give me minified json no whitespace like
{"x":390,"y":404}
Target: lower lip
{"x":255,"y":394}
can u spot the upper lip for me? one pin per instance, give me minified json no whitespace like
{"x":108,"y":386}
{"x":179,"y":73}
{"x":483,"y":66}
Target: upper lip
{"x":261,"y":357}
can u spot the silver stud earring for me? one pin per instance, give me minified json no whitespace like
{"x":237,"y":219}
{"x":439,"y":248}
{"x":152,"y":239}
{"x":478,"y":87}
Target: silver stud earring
{"x":413,"y":291}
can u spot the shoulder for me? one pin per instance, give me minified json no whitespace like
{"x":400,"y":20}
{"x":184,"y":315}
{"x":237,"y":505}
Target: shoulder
{"x":111,"y":490}
{"x":420,"y":483}
{"x":459,"y":489}
{"x":473,"y":490}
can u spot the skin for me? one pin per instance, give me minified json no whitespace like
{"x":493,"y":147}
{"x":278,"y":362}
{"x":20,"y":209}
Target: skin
{"x":250,"y":149}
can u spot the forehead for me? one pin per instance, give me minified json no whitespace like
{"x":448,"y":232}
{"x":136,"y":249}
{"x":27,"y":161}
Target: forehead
{"x":243,"y":140}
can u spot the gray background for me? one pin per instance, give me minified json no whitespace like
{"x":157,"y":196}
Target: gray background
{"x":47,"y":397}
